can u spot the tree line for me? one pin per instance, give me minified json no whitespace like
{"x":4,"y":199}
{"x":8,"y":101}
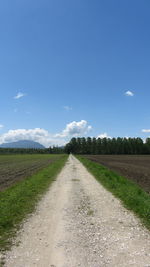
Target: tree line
{"x":90,"y":145}
{"x":50,"y":150}
{"x":108,"y":146}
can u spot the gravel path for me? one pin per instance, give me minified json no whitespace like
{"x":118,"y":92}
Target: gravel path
{"x":79,"y":223}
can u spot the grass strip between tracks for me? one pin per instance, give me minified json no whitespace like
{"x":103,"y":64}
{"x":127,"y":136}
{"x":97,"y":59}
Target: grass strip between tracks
{"x":20,"y":199}
{"x":132,"y":196}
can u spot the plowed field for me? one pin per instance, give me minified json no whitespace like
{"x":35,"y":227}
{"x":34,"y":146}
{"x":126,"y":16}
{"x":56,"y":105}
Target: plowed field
{"x":136,"y":168}
{"x":14,"y":168}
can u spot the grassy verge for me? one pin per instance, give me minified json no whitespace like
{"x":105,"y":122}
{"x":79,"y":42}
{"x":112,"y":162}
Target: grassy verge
{"x":132,"y":196}
{"x":19,"y":200}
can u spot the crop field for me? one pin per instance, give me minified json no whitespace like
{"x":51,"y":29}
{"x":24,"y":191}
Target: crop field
{"x":14,"y":168}
{"x":24,"y":179}
{"x":135,"y":168}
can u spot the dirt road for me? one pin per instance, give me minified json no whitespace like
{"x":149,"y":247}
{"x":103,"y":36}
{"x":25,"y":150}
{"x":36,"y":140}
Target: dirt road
{"x":79,"y":223}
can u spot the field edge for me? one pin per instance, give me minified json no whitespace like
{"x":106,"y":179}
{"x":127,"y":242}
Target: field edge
{"x":131,"y":195}
{"x":20,"y":200}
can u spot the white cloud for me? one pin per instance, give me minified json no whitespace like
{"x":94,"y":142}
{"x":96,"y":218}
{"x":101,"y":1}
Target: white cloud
{"x":1,"y":126}
{"x":19,"y":95}
{"x":44,"y":137}
{"x":67,"y":108}
{"x":38,"y":135}
{"x":129,"y":93}
{"x":146,"y":131}
{"x":103,"y":135}
{"x":75,"y":128}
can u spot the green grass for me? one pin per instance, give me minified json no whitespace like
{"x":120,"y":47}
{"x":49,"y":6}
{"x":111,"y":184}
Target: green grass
{"x":20,"y":199}
{"x":132,"y":196}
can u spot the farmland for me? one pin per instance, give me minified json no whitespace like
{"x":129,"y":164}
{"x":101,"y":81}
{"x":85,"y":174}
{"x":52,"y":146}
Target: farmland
{"x":27,"y":178}
{"x":14,"y":168}
{"x":134,"y":167}
{"x":75,"y":200}
{"x":130,"y":193}
{"x":79,"y":223}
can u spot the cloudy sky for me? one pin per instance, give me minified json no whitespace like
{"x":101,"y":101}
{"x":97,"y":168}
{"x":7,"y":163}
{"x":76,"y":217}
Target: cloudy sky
{"x":74,"y":68}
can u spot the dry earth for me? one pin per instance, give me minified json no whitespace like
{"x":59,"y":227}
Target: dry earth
{"x":134,"y":167}
{"x":79,"y":223}
{"x":14,"y":168}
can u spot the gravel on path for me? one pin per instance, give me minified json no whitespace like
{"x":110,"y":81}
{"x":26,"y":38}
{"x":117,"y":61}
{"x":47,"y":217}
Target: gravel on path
{"x":79,"y":223}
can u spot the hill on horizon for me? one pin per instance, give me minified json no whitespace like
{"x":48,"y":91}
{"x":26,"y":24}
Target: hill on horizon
{"x":22,"y":144}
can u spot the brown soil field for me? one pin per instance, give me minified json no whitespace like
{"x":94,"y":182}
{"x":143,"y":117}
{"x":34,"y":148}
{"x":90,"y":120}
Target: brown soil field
{"x":14,"y":168}
{"x":134,"y":167}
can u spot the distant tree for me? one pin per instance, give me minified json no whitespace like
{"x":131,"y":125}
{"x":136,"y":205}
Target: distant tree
{"x":93,"y":146}
{"x":83,"y":146}
{"x":98,"y":146}
{"x":108,"y":146}
{"x":147,"y":146}
{"x":89,"y":145}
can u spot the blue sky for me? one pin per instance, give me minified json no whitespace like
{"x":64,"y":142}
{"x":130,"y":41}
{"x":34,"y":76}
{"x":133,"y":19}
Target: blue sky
{"x":73,"y":62}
